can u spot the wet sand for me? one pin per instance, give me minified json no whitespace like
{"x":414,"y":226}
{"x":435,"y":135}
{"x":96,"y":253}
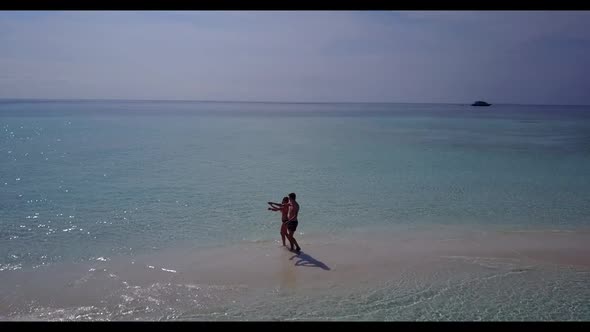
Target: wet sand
{"x":349,"y":261}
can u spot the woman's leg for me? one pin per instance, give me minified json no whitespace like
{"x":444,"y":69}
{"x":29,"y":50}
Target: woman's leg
{"x":284,"y":233}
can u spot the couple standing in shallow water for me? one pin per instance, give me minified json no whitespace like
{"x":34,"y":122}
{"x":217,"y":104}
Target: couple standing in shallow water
{"x":289,"y":210}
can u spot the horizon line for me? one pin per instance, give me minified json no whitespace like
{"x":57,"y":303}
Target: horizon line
{"x":263,"y":101}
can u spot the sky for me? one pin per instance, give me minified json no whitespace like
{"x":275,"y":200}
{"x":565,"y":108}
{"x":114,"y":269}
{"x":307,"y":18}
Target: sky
{"x":536,"y":57}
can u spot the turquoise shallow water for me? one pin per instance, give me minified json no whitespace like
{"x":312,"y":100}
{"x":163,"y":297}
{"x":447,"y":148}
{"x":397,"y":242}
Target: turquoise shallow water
{"x":89,"y":179}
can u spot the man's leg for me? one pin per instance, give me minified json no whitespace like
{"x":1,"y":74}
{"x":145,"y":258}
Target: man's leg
{"x":290,"y":234}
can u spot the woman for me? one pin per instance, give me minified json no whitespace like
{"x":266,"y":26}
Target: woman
{"x":284,"y":208}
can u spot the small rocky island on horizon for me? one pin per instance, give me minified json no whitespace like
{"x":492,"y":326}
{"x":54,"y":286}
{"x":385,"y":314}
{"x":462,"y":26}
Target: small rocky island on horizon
{"x":480,"y":103}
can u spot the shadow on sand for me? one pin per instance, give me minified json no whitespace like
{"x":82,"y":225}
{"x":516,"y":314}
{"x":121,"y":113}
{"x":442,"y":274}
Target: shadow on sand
{"x":304,"y":259}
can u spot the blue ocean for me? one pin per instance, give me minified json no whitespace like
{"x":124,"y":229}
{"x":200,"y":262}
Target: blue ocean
{"x":157,"y":210}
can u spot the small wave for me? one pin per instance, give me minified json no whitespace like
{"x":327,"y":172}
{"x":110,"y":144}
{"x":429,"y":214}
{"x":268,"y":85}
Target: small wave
{"x":541,"y":231}
{"x":10,"y":267}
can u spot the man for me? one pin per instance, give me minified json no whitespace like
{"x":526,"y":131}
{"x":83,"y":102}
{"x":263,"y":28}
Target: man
{"x":292,"y":222}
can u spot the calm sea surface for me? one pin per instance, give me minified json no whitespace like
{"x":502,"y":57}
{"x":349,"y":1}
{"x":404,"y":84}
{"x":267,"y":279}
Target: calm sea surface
{"x":82,"y":181}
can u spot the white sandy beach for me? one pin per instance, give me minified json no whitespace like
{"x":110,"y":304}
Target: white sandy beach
{"x":327,"y":265}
